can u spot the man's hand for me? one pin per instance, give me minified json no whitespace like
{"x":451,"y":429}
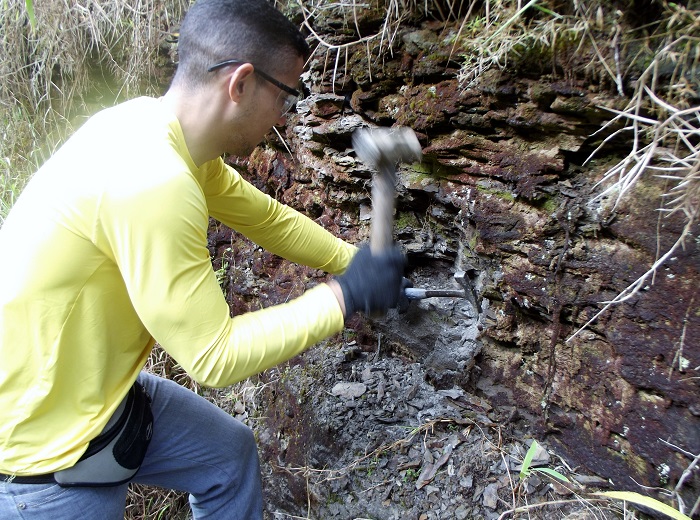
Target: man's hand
{"x":373,"y":283}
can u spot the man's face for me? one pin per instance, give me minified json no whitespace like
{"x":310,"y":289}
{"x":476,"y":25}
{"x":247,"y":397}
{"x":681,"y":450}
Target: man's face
{"x":265,"y":110}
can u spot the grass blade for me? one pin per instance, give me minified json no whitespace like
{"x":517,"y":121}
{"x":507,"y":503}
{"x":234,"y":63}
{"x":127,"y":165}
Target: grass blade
{"x":552,"y":473}
{"x":29,"y":4}
{"x":525,"y":470}
{"x":645,"y":501}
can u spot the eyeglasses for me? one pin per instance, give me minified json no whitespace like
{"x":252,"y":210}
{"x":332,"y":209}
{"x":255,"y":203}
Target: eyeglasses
{"x":288,"y":100}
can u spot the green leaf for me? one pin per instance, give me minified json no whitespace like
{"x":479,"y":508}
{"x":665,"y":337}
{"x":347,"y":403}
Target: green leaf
{"x":548,"y":11}
{"x":30,"y":12}
{"x":525,"y":470}
{"x":552,"y":473}
{"x":645,"y":501}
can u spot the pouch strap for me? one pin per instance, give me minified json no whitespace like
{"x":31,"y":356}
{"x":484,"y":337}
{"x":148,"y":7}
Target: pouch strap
{"x":110,"y":431}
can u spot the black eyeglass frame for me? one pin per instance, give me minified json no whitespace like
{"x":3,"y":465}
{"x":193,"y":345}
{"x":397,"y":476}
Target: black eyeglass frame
{"x":265,"y":76}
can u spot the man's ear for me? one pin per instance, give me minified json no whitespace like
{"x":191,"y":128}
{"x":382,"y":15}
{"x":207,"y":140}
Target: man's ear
{"x":240,"y":82}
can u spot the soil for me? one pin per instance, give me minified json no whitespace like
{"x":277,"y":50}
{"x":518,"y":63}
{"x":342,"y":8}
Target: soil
{"x":379,"y":441}
{"x":364,"y":427}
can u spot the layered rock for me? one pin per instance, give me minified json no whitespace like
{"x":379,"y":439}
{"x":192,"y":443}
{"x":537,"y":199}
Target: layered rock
{"x":504,"y":188}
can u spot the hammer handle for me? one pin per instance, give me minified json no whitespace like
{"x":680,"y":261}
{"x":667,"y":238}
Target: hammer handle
{"x":413,"y":293}
{"x":383,"y":191}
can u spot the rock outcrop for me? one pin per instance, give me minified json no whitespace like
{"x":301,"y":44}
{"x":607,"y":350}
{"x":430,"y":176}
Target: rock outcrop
{"x":503,"y":189}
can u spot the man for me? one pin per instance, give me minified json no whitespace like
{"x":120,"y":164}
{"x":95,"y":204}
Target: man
{"x":105,"y":253}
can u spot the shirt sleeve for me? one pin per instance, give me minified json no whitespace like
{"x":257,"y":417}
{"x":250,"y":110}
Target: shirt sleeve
{"x":157,"y":239}
{"x":274,"y":226}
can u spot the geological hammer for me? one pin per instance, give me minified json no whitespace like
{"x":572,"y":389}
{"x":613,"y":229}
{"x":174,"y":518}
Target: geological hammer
{"x":463,"y":278}
{"x":415,"y":293}
{"x":383,"y":148}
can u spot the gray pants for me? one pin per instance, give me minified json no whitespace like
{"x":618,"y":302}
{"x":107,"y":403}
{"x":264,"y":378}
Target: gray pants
{"x":196,"y":447}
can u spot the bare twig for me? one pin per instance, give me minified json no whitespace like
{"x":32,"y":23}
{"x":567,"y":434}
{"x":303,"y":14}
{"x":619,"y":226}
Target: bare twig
{"x":334,"y":474}
{"x":345,"y":47}
{"x":678,"y":356}
{"x":530,"y":507}
{"x":665,"y":145}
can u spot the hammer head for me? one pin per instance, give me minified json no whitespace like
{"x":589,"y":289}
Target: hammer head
{"x":382,"y":147}
{"x":467,"y":280}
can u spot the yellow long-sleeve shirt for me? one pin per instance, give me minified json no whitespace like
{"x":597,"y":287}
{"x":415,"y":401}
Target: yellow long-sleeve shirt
{"x":104,"y":253}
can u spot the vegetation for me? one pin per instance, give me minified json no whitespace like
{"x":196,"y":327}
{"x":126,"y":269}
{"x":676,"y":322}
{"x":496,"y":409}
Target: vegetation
{"x":62,"y":60}
{"x":662,"y":120}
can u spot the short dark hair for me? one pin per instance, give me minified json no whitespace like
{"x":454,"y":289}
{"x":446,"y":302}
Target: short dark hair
{"x":253,"y":31}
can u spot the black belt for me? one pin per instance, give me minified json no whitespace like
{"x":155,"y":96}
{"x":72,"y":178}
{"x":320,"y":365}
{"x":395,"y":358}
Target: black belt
{"x":33,"y":479}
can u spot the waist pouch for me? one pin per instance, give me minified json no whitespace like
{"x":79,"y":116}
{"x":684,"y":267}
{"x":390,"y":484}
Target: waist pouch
{"x":116,"y":454}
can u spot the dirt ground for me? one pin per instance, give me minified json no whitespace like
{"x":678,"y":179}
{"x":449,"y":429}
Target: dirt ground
{"x":377,"y":441}
{"x":353,"y":430}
